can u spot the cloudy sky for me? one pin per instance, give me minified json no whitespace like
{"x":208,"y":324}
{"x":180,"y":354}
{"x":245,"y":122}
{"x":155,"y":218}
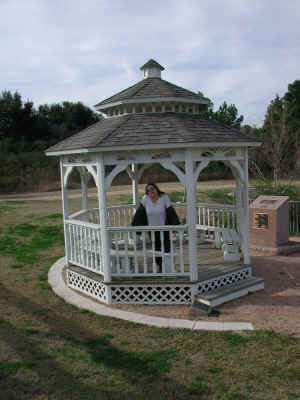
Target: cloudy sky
{"x":243,"y":52}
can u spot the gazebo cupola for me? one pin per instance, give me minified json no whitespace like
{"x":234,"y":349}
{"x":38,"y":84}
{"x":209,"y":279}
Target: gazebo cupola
{"x":153,"y":95}
{"x":152,"y":69}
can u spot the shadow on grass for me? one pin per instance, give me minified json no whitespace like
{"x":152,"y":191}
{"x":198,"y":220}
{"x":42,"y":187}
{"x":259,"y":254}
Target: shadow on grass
{"x":138,"y":369}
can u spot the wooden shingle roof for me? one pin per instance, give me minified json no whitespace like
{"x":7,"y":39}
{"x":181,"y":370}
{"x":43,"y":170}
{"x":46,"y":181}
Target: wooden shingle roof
{"x":151,"y":129}
{"x":152,"y":88}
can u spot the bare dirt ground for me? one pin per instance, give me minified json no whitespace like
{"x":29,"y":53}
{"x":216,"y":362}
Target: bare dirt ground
{"x":277,"y":307}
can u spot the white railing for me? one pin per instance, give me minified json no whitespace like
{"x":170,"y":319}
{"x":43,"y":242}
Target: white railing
{"x":91,"y":215}
{"x":120,"y":215}
{"x":208,"y":214}
{"x":84,"y":245}
{"x":217,"y":216}
{"x":133,"y":251}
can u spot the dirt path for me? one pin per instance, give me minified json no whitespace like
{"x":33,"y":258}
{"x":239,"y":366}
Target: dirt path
{"x":115,"y":190}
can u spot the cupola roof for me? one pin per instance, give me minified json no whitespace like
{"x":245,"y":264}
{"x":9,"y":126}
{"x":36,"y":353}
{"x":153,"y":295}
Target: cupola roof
{"x":152,"y":89}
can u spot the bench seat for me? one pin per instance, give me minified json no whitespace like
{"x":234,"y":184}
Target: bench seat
{"x":226,"y":239}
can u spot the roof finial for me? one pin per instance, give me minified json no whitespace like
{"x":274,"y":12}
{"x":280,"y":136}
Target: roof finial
{"x":152,"y":69}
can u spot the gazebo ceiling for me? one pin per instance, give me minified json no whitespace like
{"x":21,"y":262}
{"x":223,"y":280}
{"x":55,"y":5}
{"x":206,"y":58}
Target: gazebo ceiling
{"x":153,"y":112}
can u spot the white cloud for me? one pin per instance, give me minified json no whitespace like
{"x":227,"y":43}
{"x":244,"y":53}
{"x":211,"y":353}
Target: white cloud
{"x":234,"y":51}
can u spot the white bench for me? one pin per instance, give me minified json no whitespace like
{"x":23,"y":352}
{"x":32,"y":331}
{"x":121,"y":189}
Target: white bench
{"x":226,"y":239}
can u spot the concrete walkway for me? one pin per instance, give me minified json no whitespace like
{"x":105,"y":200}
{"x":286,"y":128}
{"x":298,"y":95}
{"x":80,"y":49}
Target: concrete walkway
{"x":59,"y":287}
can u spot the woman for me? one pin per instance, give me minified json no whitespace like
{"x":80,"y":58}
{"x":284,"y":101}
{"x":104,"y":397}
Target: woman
{"x":156,"y":210}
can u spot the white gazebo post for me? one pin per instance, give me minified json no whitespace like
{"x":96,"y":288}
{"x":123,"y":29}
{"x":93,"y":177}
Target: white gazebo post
{"x":246,"y":210}
{"x":84,"y":192}
{"x":133,"y":173}
{"x":65,"y":207}
{"x":105,"y":245}
{"x":191,"y":213}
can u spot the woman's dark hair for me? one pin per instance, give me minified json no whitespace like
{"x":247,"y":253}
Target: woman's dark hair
{"x":155,"y":187}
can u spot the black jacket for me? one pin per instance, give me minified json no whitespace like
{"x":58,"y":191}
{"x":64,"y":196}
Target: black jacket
{"x":140,"y":217}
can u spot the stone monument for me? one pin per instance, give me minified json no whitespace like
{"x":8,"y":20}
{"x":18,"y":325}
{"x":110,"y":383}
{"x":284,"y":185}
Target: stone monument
{"x":269,"y":224}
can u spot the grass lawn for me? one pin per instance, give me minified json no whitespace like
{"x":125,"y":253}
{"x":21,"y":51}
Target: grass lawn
{"x":50,"y":350}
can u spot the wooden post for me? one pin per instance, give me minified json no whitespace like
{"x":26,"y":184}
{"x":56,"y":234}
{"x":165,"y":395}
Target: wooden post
{"x":191,"y":214}
{"x":135,"y":185}
{"x":246,"y":211}
{"x":65,"y":209}
{"x":84,"y":180}
{"x":105,"y":242}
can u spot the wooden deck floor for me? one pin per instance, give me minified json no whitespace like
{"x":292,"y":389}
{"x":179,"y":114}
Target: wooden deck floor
{"x":211,"y":264}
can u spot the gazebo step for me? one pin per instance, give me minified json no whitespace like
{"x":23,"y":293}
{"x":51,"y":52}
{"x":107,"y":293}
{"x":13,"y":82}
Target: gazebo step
{"x":217,"y":271}
{"x":230,"y":292}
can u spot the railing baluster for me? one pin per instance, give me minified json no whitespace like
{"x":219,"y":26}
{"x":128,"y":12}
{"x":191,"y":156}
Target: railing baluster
{"x":90,"y":253}
{"x":154,"y":266}
{"x":172,"y":233}
{"x":144,"y":252}
{"x":181,"y":252}
{"x":135,"y":252}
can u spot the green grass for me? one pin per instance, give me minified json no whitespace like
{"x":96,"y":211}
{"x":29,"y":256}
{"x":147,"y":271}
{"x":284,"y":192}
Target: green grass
{"x":50,"y":350}
{"x":176,"y":196}
{"x":223,"y":196}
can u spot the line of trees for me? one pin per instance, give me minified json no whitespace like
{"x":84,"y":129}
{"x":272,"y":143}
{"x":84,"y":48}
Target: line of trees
{"x":25,"y":132}
{"x":279,"y":156}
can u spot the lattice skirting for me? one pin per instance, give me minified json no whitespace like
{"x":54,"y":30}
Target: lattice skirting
{"x":226,"y":279}
{"x":148,"y":293}
{"x":152,"y":294}
{"x":87,"y":285}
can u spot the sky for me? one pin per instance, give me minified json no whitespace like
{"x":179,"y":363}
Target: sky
{"x":243,"y":52}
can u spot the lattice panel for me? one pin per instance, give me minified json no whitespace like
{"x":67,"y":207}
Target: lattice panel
{"x":206,"y":286}
{"x":87,"y":285}
{"x":152,"y":294}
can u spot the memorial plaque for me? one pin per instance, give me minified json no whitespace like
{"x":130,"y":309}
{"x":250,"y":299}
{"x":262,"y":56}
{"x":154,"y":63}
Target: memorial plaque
{"x":261,"y":221}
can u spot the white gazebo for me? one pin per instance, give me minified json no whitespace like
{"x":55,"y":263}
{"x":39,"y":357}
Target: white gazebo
{"x":155,"y":121}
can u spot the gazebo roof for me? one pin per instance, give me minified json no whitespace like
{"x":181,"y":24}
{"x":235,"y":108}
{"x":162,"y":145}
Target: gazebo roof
{"x":150,"y":114}
{"x":166,"y":130}
{"x":153,"y":88}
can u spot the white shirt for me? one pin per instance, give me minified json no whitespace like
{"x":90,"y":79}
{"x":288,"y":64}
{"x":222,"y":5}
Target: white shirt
{"x":156,"y":211}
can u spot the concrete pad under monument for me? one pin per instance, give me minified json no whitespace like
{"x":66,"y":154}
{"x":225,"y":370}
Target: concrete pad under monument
{"x":269,"y":225}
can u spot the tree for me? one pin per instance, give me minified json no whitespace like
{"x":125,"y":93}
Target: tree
{"x":279,"y":138}
{"x":292,"y":103}
{"x":227,"y":115}
{"x":63,"y":120}
{"x":16,"y":117}
{"x":25,"y":132}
